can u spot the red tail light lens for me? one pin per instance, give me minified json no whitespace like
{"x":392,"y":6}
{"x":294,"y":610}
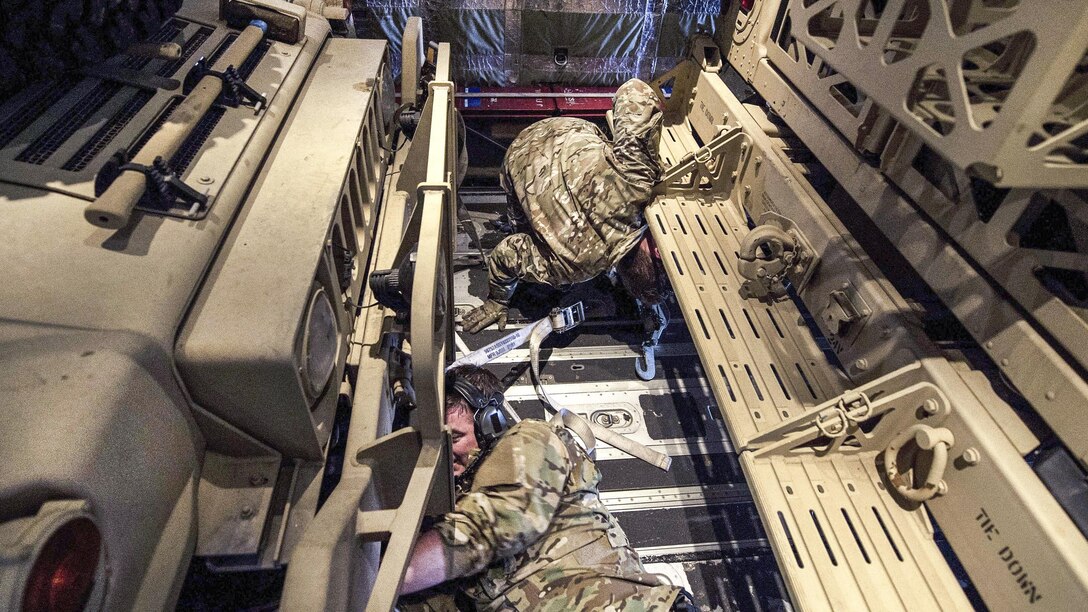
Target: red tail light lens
{"x":746,"y":5}
{"x":64,"y":573}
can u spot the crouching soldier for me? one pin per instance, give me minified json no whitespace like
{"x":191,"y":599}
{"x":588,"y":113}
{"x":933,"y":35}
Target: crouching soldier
{"x":576,"y":203}
{"x":529,"y":530}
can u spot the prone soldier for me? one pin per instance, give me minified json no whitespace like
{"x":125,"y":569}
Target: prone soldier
{"x":529,"y":530}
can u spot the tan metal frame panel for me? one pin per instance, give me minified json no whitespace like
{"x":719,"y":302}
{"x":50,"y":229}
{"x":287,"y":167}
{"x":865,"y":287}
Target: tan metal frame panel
{"x":835,"y":480}
{"x":948,"y":70}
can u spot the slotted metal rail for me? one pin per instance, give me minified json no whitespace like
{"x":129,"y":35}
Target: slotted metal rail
{"x":841,"y":541}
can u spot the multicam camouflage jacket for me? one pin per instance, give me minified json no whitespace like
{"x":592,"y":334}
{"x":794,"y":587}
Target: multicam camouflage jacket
{"x":576,"y":199}
{"x":534,"y":530}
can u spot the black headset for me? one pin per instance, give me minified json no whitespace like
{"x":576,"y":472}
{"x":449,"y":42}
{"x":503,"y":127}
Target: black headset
{"x":487,"y":414}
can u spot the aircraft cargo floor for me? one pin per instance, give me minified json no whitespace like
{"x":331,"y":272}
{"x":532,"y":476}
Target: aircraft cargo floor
{"x":695,"y":523}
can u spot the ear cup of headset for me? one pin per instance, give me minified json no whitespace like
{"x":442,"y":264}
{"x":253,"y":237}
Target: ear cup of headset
{"x":487,"y":415}
{"x":490,"y":421}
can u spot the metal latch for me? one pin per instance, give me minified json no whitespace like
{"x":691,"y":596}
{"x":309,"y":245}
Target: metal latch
{"x":844,"y":309}
{"x":775,"y":250}
{"x":567,"y":318}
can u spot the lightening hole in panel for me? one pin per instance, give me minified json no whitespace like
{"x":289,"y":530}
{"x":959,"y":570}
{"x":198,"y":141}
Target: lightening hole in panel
{"x":780,"y":383}
{"x":721,"y":265}
{"x":770,"y":315}
{"x":721,"y":225}
{"x":676,"y":261}
{"x":728,"y":387}
{"x":699,"y":262}
{"x":755,"y":385}
{"x":728,"y":327}
{"x":789,"y":538}
{"x":930,"y":99}
{"x":808,"y":385}
{"x":702,"y":227}
{"x":857,"y":538}
{"x":823,"y":537}
{"x":887,"y":533}
{"x":680,"y":222}
{"x":699,"y":315}
{"x":990,"y":73}
{"x":826,"y":26}
{"x":661,"y":224}
{"x":750,"y":322}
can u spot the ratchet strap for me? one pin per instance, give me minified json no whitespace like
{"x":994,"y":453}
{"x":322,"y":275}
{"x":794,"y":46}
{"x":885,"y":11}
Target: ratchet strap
{"x":561,"y":320}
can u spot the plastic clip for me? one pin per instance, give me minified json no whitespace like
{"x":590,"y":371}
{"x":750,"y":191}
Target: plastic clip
{"x":235,"y":90}
{"x":164,"y":188}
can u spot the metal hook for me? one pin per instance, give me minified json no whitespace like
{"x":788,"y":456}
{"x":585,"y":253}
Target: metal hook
{"x":645,"y":366}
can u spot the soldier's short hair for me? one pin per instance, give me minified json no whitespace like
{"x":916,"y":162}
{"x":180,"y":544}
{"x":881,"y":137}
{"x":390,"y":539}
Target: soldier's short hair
{"x":482,"y":379}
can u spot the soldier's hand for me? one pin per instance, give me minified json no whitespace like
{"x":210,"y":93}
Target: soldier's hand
{"x":484,"y":315}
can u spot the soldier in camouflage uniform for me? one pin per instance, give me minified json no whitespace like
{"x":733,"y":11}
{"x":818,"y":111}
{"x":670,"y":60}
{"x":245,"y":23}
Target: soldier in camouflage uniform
{"x":531,"y":533}
{"x":576,"y":200}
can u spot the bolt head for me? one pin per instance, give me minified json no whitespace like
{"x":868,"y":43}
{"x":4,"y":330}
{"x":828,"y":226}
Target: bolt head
{"x":971,"y":456}
{"x":930,"y":406}
{"x":247,"y":513}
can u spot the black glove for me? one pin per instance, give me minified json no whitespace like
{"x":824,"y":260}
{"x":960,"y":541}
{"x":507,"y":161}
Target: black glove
{"x":484,"y":315}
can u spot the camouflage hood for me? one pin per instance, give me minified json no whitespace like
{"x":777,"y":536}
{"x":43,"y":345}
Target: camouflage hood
{"x":636,"y":128}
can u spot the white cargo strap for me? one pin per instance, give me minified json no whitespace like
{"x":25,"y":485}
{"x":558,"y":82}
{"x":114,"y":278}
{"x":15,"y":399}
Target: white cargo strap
{"x":596,"y":432}
{"x":583,"y":433}
{"x":561,"y":320}
{"x":558,"y":321}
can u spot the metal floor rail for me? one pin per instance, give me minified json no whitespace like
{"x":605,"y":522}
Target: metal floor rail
{"x":842,"y":542}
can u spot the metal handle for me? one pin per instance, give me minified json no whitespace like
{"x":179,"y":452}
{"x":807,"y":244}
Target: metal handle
{"x":113,"y":208}
{"x":935,"y":440}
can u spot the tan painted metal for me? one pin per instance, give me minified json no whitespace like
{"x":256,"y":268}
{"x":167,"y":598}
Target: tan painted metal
{"x":843,"y":535}
{"x":1040,"y":372}
{"x":391,"y":481}
{"x":993,"y":87}
{"x":114,"y":207}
